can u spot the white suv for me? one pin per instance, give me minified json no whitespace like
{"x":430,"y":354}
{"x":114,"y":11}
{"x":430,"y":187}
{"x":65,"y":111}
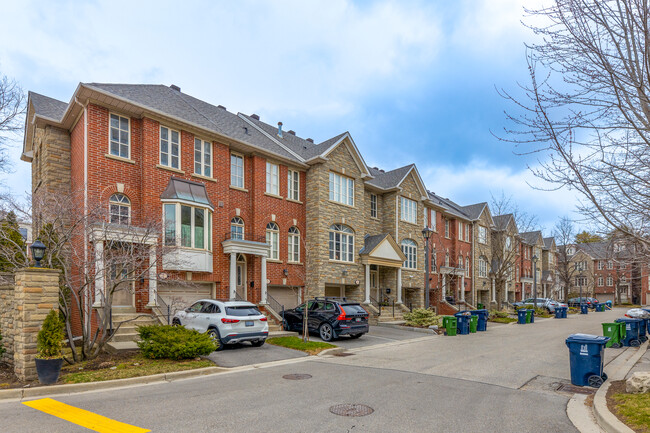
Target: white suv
{"x":227,"y":322}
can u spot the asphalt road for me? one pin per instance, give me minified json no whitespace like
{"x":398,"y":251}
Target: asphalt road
{"x":501,"y":380}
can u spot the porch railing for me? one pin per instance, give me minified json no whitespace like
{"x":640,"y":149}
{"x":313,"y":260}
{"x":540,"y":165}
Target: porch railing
{"x":276,"y":306}
{"x":375,"y":304}
{"x":165,"y":309}
{"x":234,"y":236}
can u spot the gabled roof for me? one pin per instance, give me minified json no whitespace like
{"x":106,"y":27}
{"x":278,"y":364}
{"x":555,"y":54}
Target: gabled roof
{"x":501,"y":222}
{"x":450,"y":207}
{"x":531,"y":238}
{"x":382,"y":249}
{"x":393,"y":179}
{"x":549,"y":243}
{"x":45,"y":106}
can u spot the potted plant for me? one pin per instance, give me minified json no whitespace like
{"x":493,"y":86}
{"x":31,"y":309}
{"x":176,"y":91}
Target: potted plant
{"x":49,"y":344}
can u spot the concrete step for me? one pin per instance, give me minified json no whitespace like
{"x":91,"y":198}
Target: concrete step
{"x":120,"y":317}
{"x":273,"y":334}
{"x":120,"y":346}
{"x":125,"y":336}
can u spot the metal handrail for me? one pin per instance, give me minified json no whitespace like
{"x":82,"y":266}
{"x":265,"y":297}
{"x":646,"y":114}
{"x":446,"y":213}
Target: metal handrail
{"x":234,"y":236}
{"x":164,"y":306}
{"x":375,"y":304}
{"x":275,"y":306}
{"x":238,"y":297}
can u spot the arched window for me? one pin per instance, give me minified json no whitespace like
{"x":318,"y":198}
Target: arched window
{"x":447,"y":259}
{"x":119,"y":209}
{"x":294,"y":245}
{"x":272,"y":234}
{"x":467,"y":266}
{"x":341,"y":243}
{"x":410,"y":249}
{"x":237,"y":228}
{"x":459,"y":263}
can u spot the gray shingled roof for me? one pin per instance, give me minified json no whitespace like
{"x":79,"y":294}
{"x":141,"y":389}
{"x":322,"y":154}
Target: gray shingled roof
{"x":370,"y":242}
{"x":548,"y":243}
{"x":450,"y":207}
{"x":474,"y":210}
{"x":47,"y":107}
{"x":530,"y":238}
{"x":388,"y":179}
{"x":187,"y":108}
{"x":501,"y":221}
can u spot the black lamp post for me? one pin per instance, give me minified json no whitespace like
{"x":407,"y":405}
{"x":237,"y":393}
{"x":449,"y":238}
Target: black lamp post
{"x":426,"y":232}
{"x":535,"y":280}
{"x":38,"y":252}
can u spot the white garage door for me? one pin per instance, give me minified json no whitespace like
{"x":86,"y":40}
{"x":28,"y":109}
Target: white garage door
{"x":286,"y":296}
{"x":182,"y":296}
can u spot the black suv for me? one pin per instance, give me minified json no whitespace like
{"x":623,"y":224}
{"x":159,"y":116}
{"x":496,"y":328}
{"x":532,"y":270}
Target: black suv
{"x":330,"y":317}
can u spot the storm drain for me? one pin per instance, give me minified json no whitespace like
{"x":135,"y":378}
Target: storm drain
{"x":296,"y":376}
{"x":351,"y":409}
{"x":572,"y":389}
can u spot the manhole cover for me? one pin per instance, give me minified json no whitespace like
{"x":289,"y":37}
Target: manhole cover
{"x":296,"y":376}
{"x":351,"y":409}
{"x":576,"y":389}
{"x":343,"y":354}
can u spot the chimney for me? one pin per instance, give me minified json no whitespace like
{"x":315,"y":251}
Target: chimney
{"x":280,"y":129}
{"x":292,"y":132}
{"x":255,"y":116}
{"x":311,"y":140}
{"x":175,"y":87}
{"x":221,"y":106}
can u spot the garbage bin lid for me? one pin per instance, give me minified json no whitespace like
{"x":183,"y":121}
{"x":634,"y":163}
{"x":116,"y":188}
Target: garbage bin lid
{"x":628,"y":319}
{"x":587,"y":338}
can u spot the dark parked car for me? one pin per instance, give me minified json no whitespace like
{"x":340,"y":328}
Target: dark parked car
{"x":575,"y":302}
{"x":330,"y":318}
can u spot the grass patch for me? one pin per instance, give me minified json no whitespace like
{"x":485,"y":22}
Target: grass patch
{"x":634,"y":409}
{"x":296,"y":343}
{"x":502,"y":319}
{"x":135,"y":365}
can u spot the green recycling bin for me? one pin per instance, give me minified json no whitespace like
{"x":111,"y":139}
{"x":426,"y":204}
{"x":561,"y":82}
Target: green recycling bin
{"x":529,"y":316}
{"x":613,"y":331}
{"x":480,"y":306}
{"x":450,"y":324}
{"x":473,"y":323}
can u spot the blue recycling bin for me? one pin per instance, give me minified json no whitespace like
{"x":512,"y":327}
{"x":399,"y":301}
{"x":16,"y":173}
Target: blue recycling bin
{"x":463,"y":323}
{"x":565,"y":311}
{"x":586,"y":359}
{"x":643,"y":325}
{"x":482,"y":319}
{"x":584,"y":309}
{"x":632,"y":327}
{"x":521,"y":316}
{"x":558,"y":312}
{"x":609,"y":304}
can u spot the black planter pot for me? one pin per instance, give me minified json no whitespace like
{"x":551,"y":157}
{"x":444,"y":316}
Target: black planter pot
{"x":48,"y":370}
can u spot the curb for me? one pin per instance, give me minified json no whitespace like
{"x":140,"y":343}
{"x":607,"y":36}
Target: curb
{"x":605,"y":419}
{"x":22,"y":393}
{"x":332,"y":351}
{"x":408,"y":328}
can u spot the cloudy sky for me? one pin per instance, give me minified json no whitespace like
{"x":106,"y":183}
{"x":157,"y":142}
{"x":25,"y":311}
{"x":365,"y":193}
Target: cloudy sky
{"x":413,"y":81}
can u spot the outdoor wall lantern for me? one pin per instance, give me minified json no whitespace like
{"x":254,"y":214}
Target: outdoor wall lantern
{"x":285,"y":272}
{"x":344,"y":272}
{"x":387,"y":291}
{"x":38,"y":252}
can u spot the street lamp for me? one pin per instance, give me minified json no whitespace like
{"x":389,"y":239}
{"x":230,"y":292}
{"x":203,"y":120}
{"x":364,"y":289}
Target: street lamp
{"x":535,"y":279}
{"x":426,"y":232}
{"x":38,"y":252}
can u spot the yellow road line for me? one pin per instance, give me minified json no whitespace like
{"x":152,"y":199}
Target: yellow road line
{"x":82,"y":417}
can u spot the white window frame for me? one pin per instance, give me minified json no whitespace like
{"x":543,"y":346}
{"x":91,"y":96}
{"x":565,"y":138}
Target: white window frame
{"x":610,"y":281}
{"x":601,"y":281}
{"x":170,"y":143}
{"x":207,"y":231}
{"x":293,"y":185}
{"x":447,"y":228}
{"x":115,"y":203}
{"x":235,"y":176}
{"x":482,"y":235}
{"x":341,"y":189}
{"x":482,"y":267}
{"x":447,"y":259}
{"x":237,"y":223}
{"x":433,"y":221}
{"x":373,"y":205}
{"x":272,"y":178}
{"x":466,"y":232}
{"x":425,"y":215}
{"x":294,"y":245}
{"x":408,"y":210}
{"x":119,"y":129}
{"x":460,"y":230}
{"x":345,"y":243}
{"x":272,"y":238}
{"x":467,"y":266}
{"x":202,"y":165}
{"x":610,"y":264}
{"x":410,"y":250}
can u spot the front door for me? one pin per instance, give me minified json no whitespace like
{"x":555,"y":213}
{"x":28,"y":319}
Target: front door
{"x":374,"y":284}
{"x":241,"y":276}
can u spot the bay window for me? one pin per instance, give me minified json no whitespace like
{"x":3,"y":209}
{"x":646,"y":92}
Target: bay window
{"x":187,"y":226}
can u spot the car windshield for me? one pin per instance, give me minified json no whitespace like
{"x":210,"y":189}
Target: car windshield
{"x":242,"y":310}
{"x":353,"y":309}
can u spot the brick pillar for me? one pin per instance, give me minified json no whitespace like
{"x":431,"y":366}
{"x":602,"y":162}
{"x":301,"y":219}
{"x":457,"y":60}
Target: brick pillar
{"x":36,"y":293}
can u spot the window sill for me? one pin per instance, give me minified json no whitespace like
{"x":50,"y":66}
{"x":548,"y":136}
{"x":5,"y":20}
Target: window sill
{"x":341,"y":204}
{"x":268,"y":194}
{"x":237,"y":188}
{"x":341,"y":262}
{"x":295,"y":263}
{"x":374,"y":218}
{"x":200,"y":176}
{"x":175,"y":170}
{"x":273,"y":261}
{"x":294,"y":201}
{"x":408,"y":222}
{"x":119,"y":158}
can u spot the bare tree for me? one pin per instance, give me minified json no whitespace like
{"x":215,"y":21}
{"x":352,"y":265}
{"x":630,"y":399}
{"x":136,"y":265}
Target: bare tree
{"x":564,"y":233}
{"x":12,"y":109}
{"x":586,"y":109}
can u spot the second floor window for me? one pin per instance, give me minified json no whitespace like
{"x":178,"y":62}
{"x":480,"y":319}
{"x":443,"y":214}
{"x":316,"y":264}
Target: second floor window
{"x":466,"y":232}
{"x":482,"y":267}
{"x":202,"y":157}
{"x":294,"y":245}
{"x":410,"y":249}
{"x":373,"y":206}
{"x":341,"y":243}
{"x":272,"y":179}
{"x":409,"y":210}
{"x":467,"y":266}
{"x":482,"y":234}
{"x":272,"y":236}
{"x":188,"y":224}
{"x":460,"y":231}
{"x":432,"y":223}
{"x":600,"y":281}
{"x":119,"y":136}
{"x":119,"y":209}
{"x":293,"y":185}
{"x":169,"y":147}
{"x":610,"y":281}
{"x":341,"y":189}
{"x":237,"y":228}
{"x":237,"y":170}
{"x":446,"y":228}
{"x":610,"y":264}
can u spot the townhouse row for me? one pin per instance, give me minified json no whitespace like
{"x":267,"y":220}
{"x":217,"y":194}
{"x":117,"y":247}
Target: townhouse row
{"x":250,"y":211}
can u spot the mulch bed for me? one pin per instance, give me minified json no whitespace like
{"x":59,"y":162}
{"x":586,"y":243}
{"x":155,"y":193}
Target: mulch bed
{"x":618,"y":387}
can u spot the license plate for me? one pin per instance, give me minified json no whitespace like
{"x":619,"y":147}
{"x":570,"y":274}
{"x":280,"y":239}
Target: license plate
{"x":358,"y":319}
{"x":249,"y":323}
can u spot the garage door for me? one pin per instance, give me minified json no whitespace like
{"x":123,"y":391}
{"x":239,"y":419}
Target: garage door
{"x":182,"y":296}
{"x":286,"y":296}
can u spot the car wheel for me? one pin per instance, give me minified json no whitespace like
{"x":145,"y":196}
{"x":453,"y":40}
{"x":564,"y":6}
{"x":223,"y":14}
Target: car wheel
{"x":326,"y":332}
{"x":176,"y":322}
{"x":355,"y":335}
{"x":214,"y":336}
{"x":258,"y":343}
